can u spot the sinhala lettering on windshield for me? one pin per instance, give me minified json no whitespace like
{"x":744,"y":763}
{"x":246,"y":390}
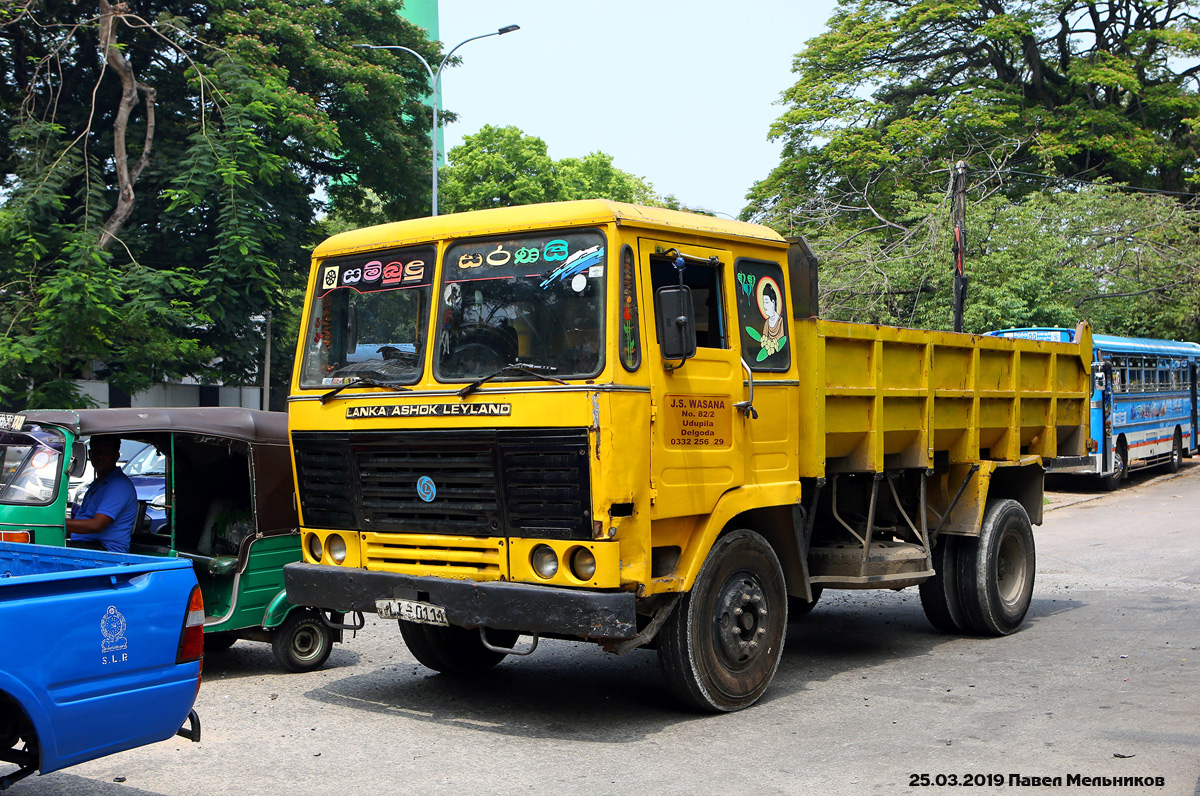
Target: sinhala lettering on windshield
{"x":555,"y":260}
{"x":400,"y":269}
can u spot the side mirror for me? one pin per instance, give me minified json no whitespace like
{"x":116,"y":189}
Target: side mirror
{"x":674,"y":314}
{"x":78,"y":460}
{"x":1099,"y":382}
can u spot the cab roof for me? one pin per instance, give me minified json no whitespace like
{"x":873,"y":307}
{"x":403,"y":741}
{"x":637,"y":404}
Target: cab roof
{"x":540,"y":216}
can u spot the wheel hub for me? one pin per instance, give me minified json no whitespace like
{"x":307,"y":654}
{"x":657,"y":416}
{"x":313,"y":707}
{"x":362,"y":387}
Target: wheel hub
{"x":741,"y":619}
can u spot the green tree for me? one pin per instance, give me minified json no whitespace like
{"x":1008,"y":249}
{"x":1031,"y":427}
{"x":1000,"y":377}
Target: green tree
{"x":503,"y":167}
{"x":159,"y":172}
{"x":897,"y":88}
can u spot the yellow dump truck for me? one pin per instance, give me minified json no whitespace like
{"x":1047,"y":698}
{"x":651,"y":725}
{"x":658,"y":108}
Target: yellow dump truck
{"x":625,"y":425}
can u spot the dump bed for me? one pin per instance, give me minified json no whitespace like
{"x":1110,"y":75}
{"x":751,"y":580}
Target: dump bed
{"x":880,"y":397}
{"x":91,"y":644}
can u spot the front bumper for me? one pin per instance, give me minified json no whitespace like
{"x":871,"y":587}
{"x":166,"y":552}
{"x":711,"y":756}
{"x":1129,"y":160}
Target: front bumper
{"x":493,"y":604}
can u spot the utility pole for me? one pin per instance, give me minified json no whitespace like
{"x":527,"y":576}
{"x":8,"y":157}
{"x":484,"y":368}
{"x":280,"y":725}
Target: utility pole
{"x":266,"y":387}
{"x":958,"y":190}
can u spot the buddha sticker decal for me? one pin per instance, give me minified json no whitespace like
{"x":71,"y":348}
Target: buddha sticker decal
{"x":761,"y":312}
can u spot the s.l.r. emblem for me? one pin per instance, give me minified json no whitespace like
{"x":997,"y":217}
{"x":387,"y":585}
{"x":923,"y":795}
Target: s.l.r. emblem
{"x":112,"y":625}
{"x":426,"y":489}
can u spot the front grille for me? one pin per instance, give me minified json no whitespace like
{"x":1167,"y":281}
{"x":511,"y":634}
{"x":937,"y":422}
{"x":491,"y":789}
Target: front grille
{"x":447,"y":557}
{"x":489,"y":482}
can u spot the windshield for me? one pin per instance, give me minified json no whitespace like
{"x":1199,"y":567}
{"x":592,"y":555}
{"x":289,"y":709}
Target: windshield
{"x":368,"y":318}
{"x":30,"y":464}
{"x":534,"y":300}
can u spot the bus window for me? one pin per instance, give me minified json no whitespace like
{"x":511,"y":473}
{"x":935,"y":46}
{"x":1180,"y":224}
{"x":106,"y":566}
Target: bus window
{"x":1135,"y":374}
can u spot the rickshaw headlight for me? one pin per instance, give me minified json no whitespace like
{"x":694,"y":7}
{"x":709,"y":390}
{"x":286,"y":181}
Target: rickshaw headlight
{"x":314,"y":547}
{"x":544,"y":561}
{"x":335,"y":545}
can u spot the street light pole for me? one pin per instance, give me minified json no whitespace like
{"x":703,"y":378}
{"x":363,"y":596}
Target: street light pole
{"x":435,"y":85}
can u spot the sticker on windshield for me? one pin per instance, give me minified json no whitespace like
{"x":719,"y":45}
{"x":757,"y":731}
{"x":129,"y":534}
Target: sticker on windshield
{"x":401,"y":268}
{"x":576,"y":263}
{"x":579,"y":283}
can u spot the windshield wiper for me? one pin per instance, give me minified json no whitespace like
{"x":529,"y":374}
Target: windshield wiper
{"x":363,"y":382}
{"x":537,"y":371}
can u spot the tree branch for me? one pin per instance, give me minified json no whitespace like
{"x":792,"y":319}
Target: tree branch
{"x":126,"y":177}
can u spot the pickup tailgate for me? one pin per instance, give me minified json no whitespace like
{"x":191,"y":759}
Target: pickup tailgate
{"x":91,"y":641}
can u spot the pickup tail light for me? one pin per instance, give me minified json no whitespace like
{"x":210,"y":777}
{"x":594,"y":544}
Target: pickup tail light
{"x":191,"y":640}
{"x":14,"y":536}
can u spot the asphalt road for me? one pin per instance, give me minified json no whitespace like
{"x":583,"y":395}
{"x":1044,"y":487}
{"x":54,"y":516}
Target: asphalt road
{"x":1103,"y":681}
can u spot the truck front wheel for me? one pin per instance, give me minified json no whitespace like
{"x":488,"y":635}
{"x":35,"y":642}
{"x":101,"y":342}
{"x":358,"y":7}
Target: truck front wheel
{"x":454,"y":650}
{"x":996,"y":570}
{"x":721,"y":645}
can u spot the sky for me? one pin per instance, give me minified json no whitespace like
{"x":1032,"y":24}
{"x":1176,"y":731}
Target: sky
{"x":682,"y":94}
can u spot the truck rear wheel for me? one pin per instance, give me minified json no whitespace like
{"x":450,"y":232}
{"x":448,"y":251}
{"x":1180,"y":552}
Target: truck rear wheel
{"x":996,"y":570}
{"x":454,"y":650}
{"x":302,"y":642}
{"x":721,"y":645}
{"x":939,"y":594}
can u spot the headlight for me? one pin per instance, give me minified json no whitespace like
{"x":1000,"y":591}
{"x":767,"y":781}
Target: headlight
{"x":314,"y":547}
{"x":336,"y":547}
{"x":583,"y":563}
{"x":544,"y":561}
{"x":159,"y":502}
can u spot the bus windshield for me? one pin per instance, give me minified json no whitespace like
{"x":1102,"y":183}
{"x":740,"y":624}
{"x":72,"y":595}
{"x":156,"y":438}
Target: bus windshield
{"x":532,"y":301}
{"x":369,"y":317}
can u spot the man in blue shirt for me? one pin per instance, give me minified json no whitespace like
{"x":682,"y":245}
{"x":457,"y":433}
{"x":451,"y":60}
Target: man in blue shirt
{"x":105,"y":518}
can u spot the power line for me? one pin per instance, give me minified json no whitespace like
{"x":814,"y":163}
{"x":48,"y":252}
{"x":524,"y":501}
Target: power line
{"x":1101,"y":184}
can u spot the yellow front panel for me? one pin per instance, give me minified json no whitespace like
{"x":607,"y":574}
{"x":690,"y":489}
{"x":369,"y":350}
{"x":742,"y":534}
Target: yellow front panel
{"x":608,"y":563}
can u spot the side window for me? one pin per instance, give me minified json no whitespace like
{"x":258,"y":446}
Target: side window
{"x":762,"y":316}
{"x":1119,"y":382}
{"x":705,"y":282}
{"x":630,"y":333}
{"x":1135,"y":374}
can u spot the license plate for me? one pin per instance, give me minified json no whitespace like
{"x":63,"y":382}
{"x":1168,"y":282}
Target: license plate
{"x":412,"y":611}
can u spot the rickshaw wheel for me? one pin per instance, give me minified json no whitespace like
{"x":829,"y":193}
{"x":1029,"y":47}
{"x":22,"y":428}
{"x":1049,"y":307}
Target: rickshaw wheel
{"x":302,"y":642}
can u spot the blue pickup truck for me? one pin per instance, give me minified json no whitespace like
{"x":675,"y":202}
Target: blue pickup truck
{"x":101,"y":652}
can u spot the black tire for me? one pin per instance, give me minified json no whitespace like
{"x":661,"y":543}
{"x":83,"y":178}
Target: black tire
{"x":218,"y":642}
{"x":302,"y":642}
{"x":454,"y":650}
{"x":1120,"y":468}
{"x":717,"y":656}
{"x":1176,"y":460}
{"x":799,"y":608}
{"x":996,"y":570}
{"x":939,"y":594}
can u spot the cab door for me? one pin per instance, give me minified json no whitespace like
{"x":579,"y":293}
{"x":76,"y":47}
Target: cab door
{"x":697,"y":434}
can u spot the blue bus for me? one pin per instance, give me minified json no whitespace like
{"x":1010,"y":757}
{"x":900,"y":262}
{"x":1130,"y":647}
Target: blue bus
{"x":1143,"y":409}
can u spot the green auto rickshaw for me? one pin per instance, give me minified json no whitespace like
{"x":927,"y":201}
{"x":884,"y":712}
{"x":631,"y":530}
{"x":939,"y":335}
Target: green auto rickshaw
{"x":214,"y":486}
